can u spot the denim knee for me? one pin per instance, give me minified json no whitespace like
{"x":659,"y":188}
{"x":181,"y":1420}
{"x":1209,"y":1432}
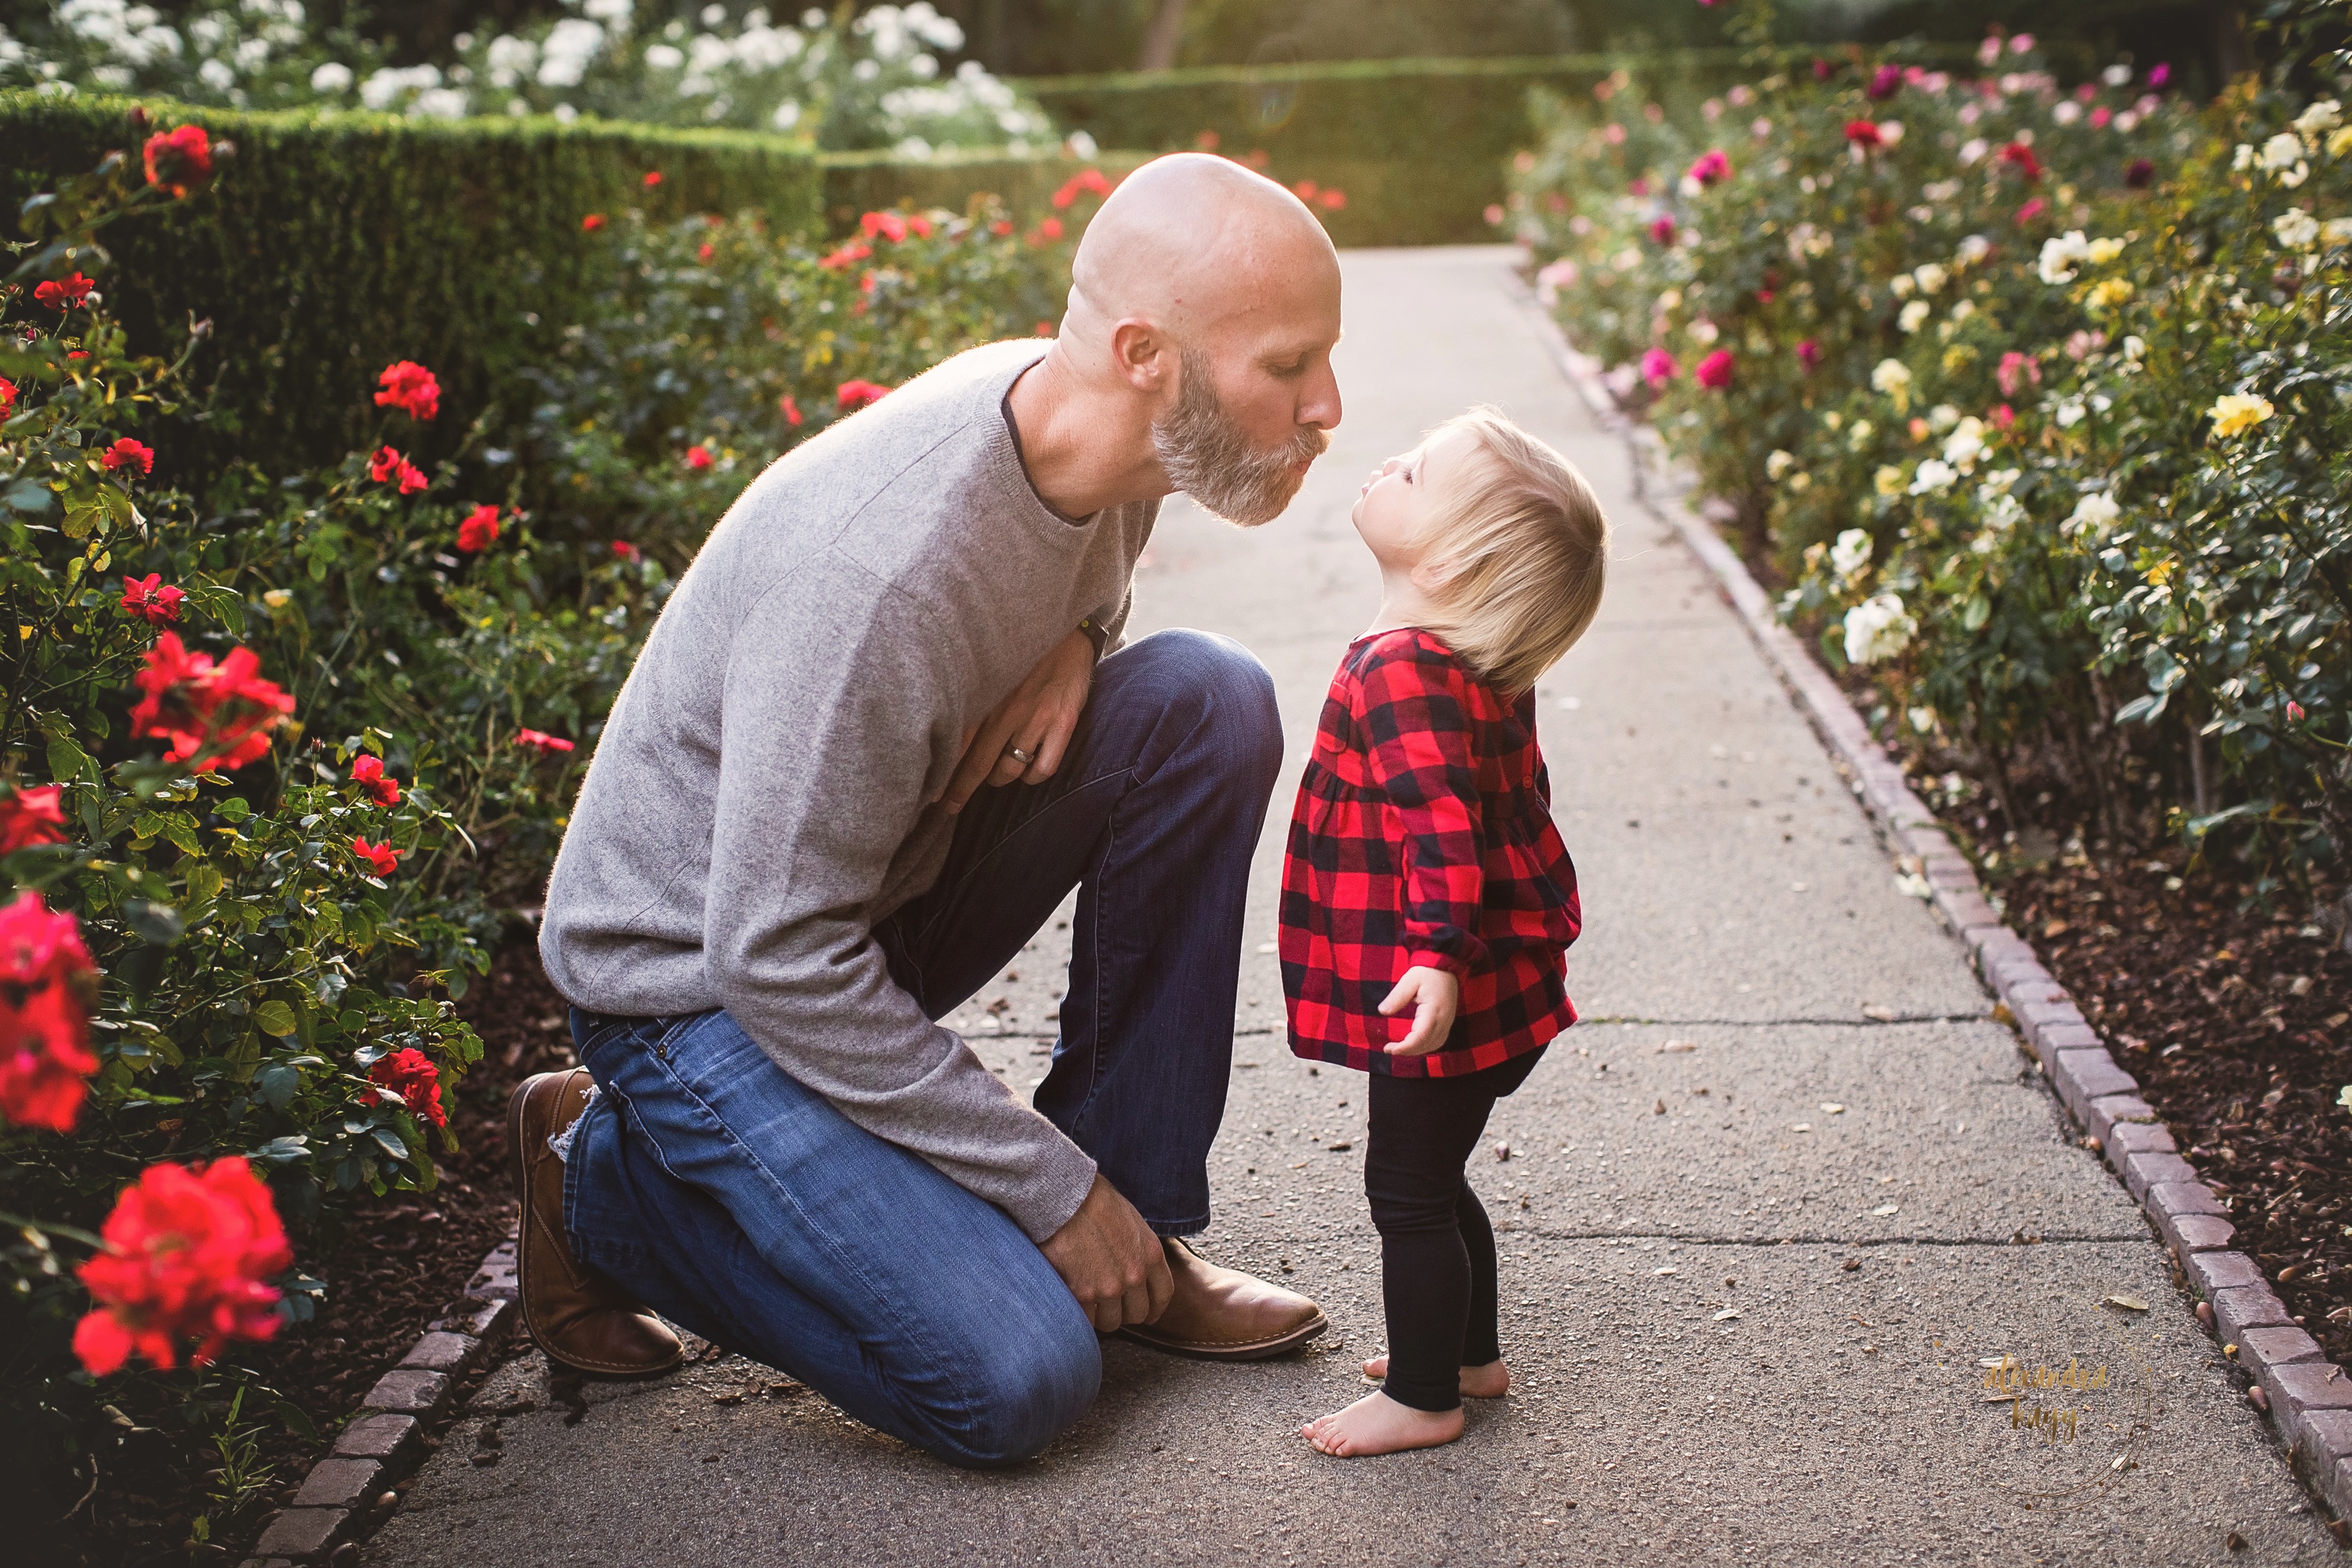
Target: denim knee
{"x":1036,"y":1379}
{"x":1226,"y":691}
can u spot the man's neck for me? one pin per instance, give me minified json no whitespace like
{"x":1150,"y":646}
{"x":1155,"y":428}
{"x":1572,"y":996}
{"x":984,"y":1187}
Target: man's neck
{"x":1083,"y":451}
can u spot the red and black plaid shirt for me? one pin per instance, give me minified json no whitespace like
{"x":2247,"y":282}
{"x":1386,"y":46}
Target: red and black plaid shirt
{"x":1424,"y":835}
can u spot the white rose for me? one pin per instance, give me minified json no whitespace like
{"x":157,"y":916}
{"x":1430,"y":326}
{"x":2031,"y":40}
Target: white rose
{"x":1931,"y":278}
{"x":1890,"y":377}
{"x":1777,"y":466}
{"x":2296,"y":230}
{"x":1934,"y":478}
{"x":1850,"y":552}
{"x":2094,"y":514}
{"x":1914,"y":315}
{"x":1877,"y":629}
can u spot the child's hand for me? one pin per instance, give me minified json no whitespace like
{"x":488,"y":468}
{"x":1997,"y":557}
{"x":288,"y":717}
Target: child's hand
{"x":1434,"y":995}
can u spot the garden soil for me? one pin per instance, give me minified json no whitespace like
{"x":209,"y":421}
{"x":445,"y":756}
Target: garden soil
{"x":1769,"y":1216}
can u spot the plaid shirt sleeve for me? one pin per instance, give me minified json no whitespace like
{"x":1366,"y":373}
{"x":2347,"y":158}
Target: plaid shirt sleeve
{"x":1414,"y":719}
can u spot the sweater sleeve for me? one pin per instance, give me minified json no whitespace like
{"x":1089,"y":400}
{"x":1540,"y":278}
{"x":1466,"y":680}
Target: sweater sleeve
{"x":1414,"y":713}
{"x":824,"y":763}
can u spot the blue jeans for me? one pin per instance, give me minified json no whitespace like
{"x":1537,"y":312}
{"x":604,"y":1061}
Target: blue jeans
{"x":744,"y":1207}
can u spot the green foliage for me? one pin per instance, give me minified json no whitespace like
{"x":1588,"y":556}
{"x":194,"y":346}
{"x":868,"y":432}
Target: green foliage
{"x":860,"y":183}
{"x":1971,"y":413}
{"x":722,"y":338}
{"x":347,"y":241}
{"x":1419,"y":146}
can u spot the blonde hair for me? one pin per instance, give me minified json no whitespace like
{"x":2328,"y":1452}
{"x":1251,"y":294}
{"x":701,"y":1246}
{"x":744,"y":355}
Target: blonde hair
{"x":1525,"y":547}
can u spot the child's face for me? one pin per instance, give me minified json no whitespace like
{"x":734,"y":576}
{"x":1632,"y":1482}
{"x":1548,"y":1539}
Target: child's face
{"x":1393,"y":509}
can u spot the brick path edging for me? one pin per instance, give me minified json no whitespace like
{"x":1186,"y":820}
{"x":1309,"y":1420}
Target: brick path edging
{"x":2307,"y":1397}
{"x":386,"y":1439}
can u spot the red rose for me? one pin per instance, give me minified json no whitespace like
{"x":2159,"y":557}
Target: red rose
{"x":1050,"y":229}
{"x":2034,"y":209}
{"x":480,"y":530}
{"x":214,"y":715}
{"x":856,"y":395}
{"x":1809,"y":355}
{"x":67,"y":295}
{"x":653,"y":178}
{"x":44,"y":1057}
{"x":1714,"y":371}
{"x":1863,"y":133}
{"x":388,"y":466}
{"x":1885,"y":83}
{"x":180,"y":160}
{"x":152,"y":599}
{"x":2139,"y":173}
{"x":187,"y":1253}
{"x":1662,"y":231}
{"x":592,"y":223}
{"x":2003,"y":415}
{"x":847,"y":257}
{"x":382,"y":858}
{"x":705,"y":251}
{"x":919,"y":225}
{"x":367,"y":772}
{"x":411,"y":388}
{"x":129,"y":454}
{"x":791,"y":410}
{"x":627,"y":550}
{"x":884,"y":226}
{"x":541,"y":741}
{"x":1001,"y":226}
{"x":7,"y":394}
{"x":2019,"y":156}
{"x":2295,"y":713}
{"x":31,"y":816}
{"x":411,"y":1077}
{"x":698,"y":456}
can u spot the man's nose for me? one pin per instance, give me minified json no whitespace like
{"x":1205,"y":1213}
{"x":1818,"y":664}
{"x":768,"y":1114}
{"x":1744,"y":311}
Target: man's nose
{"x":1320,"y":407}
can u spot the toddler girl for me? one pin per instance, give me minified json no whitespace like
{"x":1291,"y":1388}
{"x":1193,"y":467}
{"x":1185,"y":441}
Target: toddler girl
{"x":1423,"y":874}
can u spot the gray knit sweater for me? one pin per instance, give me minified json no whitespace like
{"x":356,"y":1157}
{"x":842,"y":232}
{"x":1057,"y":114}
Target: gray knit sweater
{"x":756,"y":803}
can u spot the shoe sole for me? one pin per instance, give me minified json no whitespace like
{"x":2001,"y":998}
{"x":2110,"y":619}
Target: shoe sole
{"x":1255,"y":1350}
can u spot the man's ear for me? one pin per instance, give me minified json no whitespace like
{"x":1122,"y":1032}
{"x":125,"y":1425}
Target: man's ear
{"x":1143,"y":355}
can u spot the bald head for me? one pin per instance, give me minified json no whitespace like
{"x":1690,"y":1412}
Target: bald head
{"x":1196,"y":245}
{"x":1196,"y":353}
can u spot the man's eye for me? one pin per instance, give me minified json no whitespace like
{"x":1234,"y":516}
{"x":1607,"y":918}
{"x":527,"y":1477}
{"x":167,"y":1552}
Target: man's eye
{"x":1295,"y":368}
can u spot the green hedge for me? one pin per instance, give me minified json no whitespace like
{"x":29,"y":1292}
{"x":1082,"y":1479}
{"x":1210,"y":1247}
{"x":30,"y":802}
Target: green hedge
{"x":1419,"y":145}
{"x":334,"y":244}
{"x":857,"y":182}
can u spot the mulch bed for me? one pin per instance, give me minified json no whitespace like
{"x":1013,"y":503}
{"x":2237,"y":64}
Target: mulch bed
{"x":395,"y":1268}
{"x":2238,"y":1024}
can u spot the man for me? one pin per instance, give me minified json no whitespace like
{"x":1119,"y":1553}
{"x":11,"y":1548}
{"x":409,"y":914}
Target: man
{"x":865,"y":753}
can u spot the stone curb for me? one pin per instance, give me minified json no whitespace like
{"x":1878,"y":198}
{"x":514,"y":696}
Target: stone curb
{"x":387,"y":1436}
{"x":2307,"y":1397}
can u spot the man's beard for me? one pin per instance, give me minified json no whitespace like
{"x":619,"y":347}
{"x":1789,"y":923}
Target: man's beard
{"x":1209,"y":457}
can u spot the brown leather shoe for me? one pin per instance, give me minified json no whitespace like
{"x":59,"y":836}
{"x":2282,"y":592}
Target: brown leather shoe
{"x":1222,"y":1314}
{"x":579,"y":1317}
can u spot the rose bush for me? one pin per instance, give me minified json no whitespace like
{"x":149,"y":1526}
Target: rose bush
{"x":277,"y":750}
{"x":2023,"y":393}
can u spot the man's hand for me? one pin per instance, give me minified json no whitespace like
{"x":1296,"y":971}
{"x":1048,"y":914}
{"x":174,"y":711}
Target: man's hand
{"x":1110,"y":1260}
{"x":1038,"y":719}
{"x":1435,"y":995}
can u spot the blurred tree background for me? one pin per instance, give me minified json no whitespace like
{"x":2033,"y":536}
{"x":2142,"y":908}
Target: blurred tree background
{"x":1052,"y":37}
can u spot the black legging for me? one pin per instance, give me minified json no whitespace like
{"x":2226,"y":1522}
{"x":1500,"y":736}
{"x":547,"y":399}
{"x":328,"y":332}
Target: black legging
{"x":1437,"y":1251}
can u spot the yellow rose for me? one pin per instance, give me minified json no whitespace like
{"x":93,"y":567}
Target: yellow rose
{"x":2237,"y":413}
{"x":1888,"y":482}
{"x":2104,"y":295}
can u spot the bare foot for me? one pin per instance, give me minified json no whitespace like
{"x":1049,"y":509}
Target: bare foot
{"x":1379,"y":1424}
{"x":1490,"y":1382}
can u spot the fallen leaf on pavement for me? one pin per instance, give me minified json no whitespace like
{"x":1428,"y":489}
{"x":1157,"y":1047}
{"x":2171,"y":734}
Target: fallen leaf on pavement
{"x":2129,"y":1303}
{"x":1660,"y":1110}
{"x":1674,"y":1048}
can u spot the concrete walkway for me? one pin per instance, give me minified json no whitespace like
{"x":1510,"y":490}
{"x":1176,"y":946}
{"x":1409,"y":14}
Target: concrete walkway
{"x":1768,"y":1208}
